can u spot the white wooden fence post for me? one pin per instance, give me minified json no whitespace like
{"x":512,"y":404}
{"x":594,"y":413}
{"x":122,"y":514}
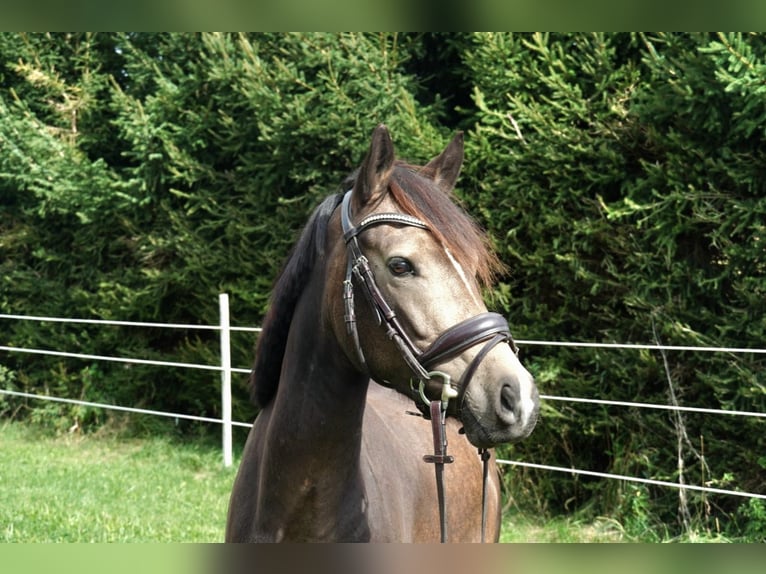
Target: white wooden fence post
{"x":223,"y":304}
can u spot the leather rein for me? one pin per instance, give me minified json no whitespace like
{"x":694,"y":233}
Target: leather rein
{"x":491,"y":329}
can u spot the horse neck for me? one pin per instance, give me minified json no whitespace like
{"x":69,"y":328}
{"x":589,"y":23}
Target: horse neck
{"x":320,"y":393}
{"x":313,"y":427}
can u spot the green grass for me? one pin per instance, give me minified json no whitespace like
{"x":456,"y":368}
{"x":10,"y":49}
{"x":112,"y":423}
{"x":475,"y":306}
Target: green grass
{"x":580,"y":527}
{"x":87,"y":489}
{"x":521,"y":528}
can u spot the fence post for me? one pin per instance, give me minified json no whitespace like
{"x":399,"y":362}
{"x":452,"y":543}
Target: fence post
{"x":223,"y":305}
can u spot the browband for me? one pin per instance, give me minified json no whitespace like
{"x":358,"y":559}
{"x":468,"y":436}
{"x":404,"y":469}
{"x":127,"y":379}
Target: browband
{"x":351,"y":232}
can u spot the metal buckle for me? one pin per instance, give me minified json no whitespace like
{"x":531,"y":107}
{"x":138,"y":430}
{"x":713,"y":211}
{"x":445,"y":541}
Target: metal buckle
{"x":447,"y":393}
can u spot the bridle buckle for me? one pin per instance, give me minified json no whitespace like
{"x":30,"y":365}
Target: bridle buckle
{"x":448,"y":392}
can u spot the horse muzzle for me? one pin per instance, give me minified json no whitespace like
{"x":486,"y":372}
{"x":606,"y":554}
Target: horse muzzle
{"x":495,"y":398}
{"x":502,"y":403}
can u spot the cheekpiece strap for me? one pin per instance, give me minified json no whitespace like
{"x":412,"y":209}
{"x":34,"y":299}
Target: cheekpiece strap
{"x":358,"y":267}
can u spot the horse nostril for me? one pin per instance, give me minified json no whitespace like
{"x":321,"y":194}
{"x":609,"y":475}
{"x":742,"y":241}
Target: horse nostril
{"x":507,"y":399}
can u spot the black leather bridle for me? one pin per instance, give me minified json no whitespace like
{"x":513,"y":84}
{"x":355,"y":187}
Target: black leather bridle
{"x":488,"y":328}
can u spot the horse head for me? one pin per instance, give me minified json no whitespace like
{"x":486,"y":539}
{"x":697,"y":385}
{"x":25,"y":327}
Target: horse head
{"x":413,"y":317}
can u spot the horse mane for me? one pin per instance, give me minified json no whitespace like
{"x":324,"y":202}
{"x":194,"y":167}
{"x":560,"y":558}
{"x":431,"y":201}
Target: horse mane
{"x":270,"y":350}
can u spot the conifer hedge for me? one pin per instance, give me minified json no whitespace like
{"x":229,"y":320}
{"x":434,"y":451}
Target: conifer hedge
{"x":621,"y":177}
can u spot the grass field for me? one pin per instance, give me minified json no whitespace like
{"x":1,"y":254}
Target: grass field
{"x":76,"y":488}
{"x":88,"y":489}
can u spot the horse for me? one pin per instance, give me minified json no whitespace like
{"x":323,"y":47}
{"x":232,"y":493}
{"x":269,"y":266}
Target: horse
{"x":336,"y":453}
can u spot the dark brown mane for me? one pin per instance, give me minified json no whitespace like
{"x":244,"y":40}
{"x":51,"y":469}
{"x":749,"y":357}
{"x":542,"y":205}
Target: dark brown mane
{"x":270,"y":350}
{"x":418,"y":196}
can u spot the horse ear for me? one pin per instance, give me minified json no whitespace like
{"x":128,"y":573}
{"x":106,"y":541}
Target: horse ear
{"x":372,"y":178}
{"x":445,"y":167}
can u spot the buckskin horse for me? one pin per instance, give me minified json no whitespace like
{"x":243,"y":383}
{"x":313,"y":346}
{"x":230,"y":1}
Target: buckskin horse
{"x":379,"y":304}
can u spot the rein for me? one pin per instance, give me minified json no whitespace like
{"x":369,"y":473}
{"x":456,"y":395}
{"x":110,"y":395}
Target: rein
{"x":489,"y":328}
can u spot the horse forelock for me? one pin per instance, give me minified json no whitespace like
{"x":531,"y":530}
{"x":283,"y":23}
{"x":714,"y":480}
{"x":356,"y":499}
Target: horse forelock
{"x":289,"y":286}
{"x":417,"y":195}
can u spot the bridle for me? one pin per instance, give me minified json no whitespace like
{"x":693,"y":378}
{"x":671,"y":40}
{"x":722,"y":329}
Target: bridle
{"x":488,"y":328}
{"x":491,"y":327}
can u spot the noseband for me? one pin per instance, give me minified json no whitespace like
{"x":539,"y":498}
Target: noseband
{"x":491,"y":328}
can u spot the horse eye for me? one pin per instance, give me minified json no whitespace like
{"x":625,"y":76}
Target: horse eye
{"x":400,"y":266}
